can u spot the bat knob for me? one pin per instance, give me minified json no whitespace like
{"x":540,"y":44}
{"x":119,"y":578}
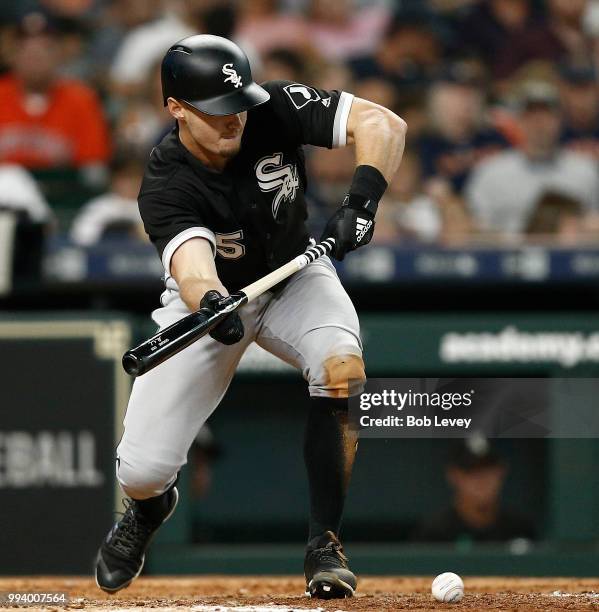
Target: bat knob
{"x":132,"y":364}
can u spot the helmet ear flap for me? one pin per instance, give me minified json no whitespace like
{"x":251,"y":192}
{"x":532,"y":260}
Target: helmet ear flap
{"x":169,"y":74}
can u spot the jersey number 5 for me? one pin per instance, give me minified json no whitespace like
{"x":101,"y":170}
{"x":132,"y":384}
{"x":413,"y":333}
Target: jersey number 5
{"x":228,"y":245}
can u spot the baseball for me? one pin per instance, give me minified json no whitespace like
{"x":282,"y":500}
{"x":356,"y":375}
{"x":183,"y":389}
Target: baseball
{"x":448,"y":587}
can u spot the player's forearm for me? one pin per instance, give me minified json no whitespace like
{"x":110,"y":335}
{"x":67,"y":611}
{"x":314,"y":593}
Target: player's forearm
{"x":380,"y":137}
{"x":192,"y":290}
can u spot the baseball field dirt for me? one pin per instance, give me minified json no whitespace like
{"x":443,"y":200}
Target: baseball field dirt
{"x":285,"y":594}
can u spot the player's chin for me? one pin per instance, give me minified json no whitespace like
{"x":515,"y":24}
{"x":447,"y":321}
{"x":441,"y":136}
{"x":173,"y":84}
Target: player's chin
{"x":229,"y":146}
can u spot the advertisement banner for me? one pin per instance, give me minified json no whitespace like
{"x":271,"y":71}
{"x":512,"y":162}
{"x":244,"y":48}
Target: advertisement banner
{"x":486,"y":344}
{"x":61,"y":401}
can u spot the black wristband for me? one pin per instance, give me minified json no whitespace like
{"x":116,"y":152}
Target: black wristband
{"x":370,"y":184}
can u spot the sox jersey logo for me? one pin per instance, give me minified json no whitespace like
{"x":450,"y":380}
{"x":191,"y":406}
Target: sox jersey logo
{"x":273,"y":175}
{"x":232,"y":77}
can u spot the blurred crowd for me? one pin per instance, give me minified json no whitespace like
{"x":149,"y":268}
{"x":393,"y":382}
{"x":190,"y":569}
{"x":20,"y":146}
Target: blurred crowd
{"x":501,"y":98}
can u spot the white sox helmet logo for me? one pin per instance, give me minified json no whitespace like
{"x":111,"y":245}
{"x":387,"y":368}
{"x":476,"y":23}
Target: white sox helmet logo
{"x":271,"y":175}
{"x":232,"y":77}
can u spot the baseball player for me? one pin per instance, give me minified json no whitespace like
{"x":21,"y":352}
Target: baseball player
{"x":223,"y":202}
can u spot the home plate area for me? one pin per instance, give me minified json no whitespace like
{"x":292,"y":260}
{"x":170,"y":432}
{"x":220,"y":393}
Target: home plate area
{"x":286,"y":594}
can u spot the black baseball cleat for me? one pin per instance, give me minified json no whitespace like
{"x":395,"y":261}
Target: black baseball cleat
{"x":122,"y":554}
{"x":327,"y":574}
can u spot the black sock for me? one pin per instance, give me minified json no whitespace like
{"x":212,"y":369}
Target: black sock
{"x":329,"y":451}
{"x":155,"y":509}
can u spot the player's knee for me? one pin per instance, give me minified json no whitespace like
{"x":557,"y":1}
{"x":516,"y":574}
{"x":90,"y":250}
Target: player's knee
{"x":339,"y":374}
{"x":144,"y":480}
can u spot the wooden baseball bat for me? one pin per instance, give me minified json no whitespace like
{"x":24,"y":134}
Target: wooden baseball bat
{"x":186,"y":331}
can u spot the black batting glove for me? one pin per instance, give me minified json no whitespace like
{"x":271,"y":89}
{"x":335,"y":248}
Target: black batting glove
{"x":352,"y":226}
{"x":229,"y":330}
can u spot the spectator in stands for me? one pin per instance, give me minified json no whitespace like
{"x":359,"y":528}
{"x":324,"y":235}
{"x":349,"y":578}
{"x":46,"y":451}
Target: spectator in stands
{"x":20,"y":193}
{"x":145,"y":45}
{"x":579,"y":94}
{"x":47,"y":121}
{"x":407,"y":56}
{"x":591,"y":27}
{"x":330,"y":75}
{"x":503,"y":191}
{"x":143,"y":121}
{"x":343,"y":29}
{"x":113,"y":214}
{"x":413,"y":106}
{"x":406,"y":212}
{"x":377,"y":90}
{"x":504,"y":114}
{"x":76,"y":61}
{"x":265,"y":27}
{"x":476,"y":474}
{"x":558,"y":37}
{"x":284,"y":63}
{"x":557,"y":216}
{"x":459,"y":134}
{"x":488,"y":26}
{"x":116,"y":19}
{"x":409,"y":104}
{"x":25,"y":219}
{"x":445,"y":7}
{"x":72,"y":9}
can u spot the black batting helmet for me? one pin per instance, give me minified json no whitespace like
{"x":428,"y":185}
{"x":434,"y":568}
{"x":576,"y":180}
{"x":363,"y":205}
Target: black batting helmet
{"x":211,"y":74}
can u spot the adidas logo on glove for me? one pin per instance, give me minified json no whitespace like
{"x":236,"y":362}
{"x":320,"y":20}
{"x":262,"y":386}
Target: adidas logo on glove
{"x":362,"y":226}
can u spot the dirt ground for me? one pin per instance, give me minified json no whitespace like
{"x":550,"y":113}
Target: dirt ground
{"x":281,"y":594}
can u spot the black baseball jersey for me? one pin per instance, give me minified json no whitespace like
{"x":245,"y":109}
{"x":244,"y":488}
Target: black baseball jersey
{"x":253,"y":213}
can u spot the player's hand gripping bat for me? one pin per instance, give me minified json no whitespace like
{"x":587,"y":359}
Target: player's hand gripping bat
{"x":194,"y":326}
